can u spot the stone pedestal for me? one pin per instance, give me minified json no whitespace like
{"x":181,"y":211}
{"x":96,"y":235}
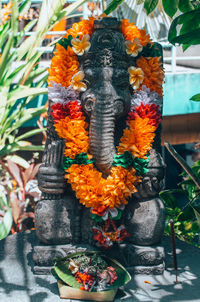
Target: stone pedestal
{"x":137,"y":259}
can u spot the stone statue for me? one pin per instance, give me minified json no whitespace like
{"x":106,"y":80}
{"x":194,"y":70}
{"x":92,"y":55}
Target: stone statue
{"x":60,"y":220}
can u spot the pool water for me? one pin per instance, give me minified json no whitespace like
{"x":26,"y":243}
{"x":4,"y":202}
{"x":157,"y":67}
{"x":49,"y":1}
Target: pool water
{"x":178,"y":89}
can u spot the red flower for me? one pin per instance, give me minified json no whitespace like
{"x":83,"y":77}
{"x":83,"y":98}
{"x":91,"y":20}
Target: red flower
{"x":100,"y":211}
{"x":149,"y":111}
{"x":60,"y":111}
{"x":74,"y":109}
{"x":123,"y":234}
{"x":101,"y":239}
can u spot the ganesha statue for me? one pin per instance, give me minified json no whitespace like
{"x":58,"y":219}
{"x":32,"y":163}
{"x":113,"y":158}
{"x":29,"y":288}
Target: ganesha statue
{"x":102,"y":170}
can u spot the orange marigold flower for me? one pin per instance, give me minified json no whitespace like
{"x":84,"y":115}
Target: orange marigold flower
{"x":138,"y":138}
{"x":95,"y":191}
{"x":64,"y":65}
{"x":153,"y":73}
{"x":131,"y":31}
{"x":151,"y":111}
{"x":81,"y":28}
{"x":74,"y":131}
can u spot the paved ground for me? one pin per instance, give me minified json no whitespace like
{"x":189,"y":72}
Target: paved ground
{"x":19,"y":284}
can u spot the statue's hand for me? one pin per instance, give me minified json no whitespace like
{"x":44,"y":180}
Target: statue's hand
{"x":149,"y":187}
{"x":51,"y":175}
{"x":152,"y":182}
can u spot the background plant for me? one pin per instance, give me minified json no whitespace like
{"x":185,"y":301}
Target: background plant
{"x":18,"y":196}
{"x":21,"y":80}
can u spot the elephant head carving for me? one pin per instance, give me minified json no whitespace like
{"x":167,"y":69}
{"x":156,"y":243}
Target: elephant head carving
{"x":108,"y":91}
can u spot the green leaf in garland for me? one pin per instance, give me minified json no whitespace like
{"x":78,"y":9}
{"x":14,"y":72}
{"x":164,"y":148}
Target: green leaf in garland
{"x":118,"y":216}
{"x":141,"y":165}
{"x":80,"y":159}
{"x":126,"y":160}
{"x":149,"y":50}
{"x":97,"y":218}
{"x":66,"y":42}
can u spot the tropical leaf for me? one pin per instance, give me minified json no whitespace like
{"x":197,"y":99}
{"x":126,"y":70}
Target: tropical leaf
{"x":15,"y":172}
{"x":25,"y":91}
{"x":18,"y":160}
{"x":195,"y":97}
{"x":189,"y":33}
{"x":3,"y":199}
{"x":170,"y":7}
{"x":150,"y":5}
{"x":6,"y":224}
{"x":19,"y":146}
{"x":15,"y":205}
{"x":29,"y":133}
{"x":185,"y":6}
{"x":112,"y":6}
{"x":197,"y":214}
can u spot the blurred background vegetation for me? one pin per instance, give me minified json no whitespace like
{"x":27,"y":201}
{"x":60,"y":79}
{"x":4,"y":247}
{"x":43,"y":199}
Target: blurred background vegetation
{"x":28,"y":33}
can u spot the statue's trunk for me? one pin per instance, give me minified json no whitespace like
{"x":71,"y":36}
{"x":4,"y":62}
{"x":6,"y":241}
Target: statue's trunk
{"x":101,"y":133}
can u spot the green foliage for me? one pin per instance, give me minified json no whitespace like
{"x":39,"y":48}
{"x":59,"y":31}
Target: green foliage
{"x":187,"y":218}
{"x":18,"y":87}
{"x":170,"y":7}
{"x":190,"y":29}
{"x":185,"y":6}
{"x":18,"y":194}
{"x":196,"y":97}
{"x":150,"y":5}
{"x":112,"y":6}
{"x":7,"y":220}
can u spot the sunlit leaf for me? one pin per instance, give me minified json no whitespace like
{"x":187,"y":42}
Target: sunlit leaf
{"x":185,"y":6}
{"x":185,"y":29}
{"x":15,"y":205}
{"x":197,"y":214}
{"x":15,"y":172}
{"x":195,"y":97}
{"x":150,"y":5}
{"x":170,"y":7}
{"x":18,"y":160}
{"x":112,"y":6}
{"x":6,"y":224}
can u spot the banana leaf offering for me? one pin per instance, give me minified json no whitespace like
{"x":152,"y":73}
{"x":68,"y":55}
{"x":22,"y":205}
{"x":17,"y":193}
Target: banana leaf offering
{"x":92,"y":274}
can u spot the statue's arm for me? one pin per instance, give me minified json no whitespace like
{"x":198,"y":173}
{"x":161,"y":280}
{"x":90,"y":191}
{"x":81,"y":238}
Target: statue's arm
{"x":51,"y":174}
{"x":152,"y":182}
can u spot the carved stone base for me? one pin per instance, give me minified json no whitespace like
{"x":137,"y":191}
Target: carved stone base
{"x":137,"y":259}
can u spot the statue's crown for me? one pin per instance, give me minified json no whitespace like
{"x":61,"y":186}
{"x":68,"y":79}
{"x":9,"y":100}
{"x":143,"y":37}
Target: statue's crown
{"x":107,"y":46}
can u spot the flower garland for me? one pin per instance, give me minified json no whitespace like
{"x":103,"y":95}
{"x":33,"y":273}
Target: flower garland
{"x":105,"y":197}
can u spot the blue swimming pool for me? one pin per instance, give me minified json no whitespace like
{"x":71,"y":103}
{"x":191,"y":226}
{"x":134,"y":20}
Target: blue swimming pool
{"x":178,"y":89}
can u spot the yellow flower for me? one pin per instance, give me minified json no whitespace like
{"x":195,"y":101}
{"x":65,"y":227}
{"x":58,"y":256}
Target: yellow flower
{"x":133,"y":47}
{"x":6,"y":12}
{"x":136,"y":76}
{"x":80,"y":46}
{"x":77,"y":81}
